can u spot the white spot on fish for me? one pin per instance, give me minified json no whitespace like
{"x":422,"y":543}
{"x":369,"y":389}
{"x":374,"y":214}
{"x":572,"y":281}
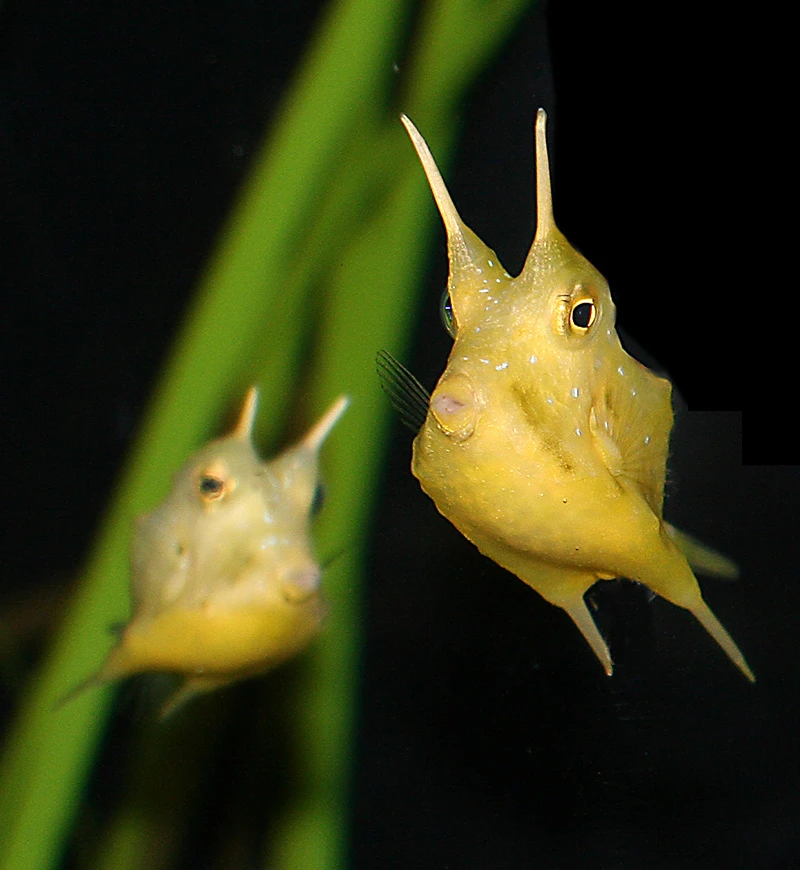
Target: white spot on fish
{"x":633,"y":392}
{"x":575,"y":392}
{"x":501,"y":367}
{"x":646,"y":439}
{"x":533,"y":359}
{"x":578,"y":432}
{"x":621,"y":370}
{"x":491,"y":263}
{"x":483,"y":290}
{"x":484,"y":361}
{"x":549,"y":400}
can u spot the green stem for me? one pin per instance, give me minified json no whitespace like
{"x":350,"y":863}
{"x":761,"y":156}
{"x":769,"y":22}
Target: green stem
{"x":331,"y":214}
{"x":49,"y":752}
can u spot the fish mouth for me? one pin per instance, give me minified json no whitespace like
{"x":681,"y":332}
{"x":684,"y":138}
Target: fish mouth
{"x":454,"y":406}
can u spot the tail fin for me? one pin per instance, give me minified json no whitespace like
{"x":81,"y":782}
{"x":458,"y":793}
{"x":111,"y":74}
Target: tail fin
{"x":702,"y":559}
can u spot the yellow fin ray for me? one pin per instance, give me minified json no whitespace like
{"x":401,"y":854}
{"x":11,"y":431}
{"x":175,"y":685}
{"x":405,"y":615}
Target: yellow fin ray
{"x":632,"y":408}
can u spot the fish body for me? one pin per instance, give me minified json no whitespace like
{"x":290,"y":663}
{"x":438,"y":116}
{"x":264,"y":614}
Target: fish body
{"x":224,"y":581}
{"x":544,"y":442}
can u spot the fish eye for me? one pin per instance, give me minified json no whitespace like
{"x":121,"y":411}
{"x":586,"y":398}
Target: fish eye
{"x":446,"y":309}
{"x":583,"y":314}
{"x":211,"y":488}
{"x":317,"y":500}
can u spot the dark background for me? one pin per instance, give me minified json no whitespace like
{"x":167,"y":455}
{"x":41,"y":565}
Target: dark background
{"x":489,"y":736}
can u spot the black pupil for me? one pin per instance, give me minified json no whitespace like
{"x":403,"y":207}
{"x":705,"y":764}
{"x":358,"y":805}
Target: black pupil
{"x":318,"y":500}
{"x":210,"y":485}
{"x":582,"y":314}
{"x":447,"y":313}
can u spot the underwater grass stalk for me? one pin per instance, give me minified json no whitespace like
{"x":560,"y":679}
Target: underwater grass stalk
{"x":370,"y":301}
{"x":49,"y":751}
{"x":336,"y":107}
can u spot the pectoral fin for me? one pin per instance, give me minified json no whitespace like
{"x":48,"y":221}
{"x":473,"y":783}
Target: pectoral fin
{"x":631,"y":423}
{"x":407,"y":395}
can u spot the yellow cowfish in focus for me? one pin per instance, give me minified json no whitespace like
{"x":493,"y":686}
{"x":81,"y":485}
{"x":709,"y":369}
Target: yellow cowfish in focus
{"x":544,"y":442}
{"x":224,"y":583}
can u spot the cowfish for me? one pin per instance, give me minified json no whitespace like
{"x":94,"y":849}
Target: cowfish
{"x":544,"y":442}
{"x":224,"y":582}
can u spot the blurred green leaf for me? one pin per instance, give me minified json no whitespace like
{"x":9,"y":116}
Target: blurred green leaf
{"x":337,"y":207}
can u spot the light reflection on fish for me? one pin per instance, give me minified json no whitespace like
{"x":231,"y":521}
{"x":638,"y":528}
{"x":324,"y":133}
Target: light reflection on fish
{"x":544,"y":442}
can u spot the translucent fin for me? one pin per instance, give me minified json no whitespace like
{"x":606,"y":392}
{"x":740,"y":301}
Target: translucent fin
{"x":702,"y":559}
{"x":407,"y":395}
{"x":579,"y":613}
{"x":715,"y":628}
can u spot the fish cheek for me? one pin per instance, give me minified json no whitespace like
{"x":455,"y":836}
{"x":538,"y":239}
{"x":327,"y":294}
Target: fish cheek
{"x":543,"y":440}
{"x":161,"y":554}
